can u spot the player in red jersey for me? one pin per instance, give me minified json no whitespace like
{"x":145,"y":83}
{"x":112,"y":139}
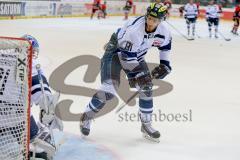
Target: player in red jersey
{"x":104,"y":8}
{"x":95,"y":7}
{"x":102,"y":12}
{"x":236,"y":17}
{"x":127,"y":8}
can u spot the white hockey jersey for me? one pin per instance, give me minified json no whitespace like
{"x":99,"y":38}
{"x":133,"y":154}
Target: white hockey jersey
{"x":36,"y":87}
{"x":134,"y":42}
{"x":212,"y":11}
{"x":35,"y":62}
{"x":190,"y":10}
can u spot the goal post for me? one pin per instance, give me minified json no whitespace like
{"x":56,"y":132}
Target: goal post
{"x":15,"y":95}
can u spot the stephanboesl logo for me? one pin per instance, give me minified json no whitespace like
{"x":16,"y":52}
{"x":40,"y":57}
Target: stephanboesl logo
{"x":57,"y":82}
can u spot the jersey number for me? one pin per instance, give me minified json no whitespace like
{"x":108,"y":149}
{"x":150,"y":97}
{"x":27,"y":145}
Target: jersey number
{"x":128,"y":46}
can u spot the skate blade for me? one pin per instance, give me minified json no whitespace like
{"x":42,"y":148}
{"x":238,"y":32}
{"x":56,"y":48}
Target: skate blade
{"x":190,"y":39}
{"x":151,"y":138}
{"x":31,"y":158}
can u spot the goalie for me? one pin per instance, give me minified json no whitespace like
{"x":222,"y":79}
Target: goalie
{"x":42,"y":143}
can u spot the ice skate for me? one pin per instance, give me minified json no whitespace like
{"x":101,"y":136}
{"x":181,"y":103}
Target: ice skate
{"x":147,"y":130}
{"x":150,"y":133}
{"x":85,"y":122}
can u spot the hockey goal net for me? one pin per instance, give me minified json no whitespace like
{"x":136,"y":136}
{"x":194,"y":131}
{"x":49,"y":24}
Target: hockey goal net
{"x":15,"y":87}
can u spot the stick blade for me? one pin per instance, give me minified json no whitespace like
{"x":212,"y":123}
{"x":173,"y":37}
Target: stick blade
{"x":190,"y":39}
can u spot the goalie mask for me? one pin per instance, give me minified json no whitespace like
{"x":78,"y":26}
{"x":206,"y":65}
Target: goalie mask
{"x":34,"y":43}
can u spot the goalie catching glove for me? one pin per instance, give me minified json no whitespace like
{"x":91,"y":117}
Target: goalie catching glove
{"x":47,"y":113}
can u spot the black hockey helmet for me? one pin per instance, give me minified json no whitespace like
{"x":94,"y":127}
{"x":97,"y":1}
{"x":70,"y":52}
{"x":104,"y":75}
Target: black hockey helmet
{"x":157,"y":10}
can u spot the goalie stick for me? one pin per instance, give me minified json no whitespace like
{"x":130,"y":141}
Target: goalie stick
{"x":62,"y":141}
{"x":38,"y":67}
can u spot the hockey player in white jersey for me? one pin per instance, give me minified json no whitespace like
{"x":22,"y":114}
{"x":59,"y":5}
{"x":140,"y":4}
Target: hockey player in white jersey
{"x":41,"y":140}
{"x":125,"y":51}
{"x":212,"y":16}
{"x":191,"y":14}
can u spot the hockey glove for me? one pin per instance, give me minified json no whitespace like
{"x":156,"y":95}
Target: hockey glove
{"x":47,"y":113}
{"x":141,"y":80}
{"x":161,"y":71}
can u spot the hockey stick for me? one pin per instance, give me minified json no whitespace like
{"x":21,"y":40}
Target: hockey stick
{"x":129,"y":99}
{"x":226,"y":39}
{"x":125,"y":103}
{"x":38,"y":67}
{"x":190,"y":39}
{"x":198,"y":35}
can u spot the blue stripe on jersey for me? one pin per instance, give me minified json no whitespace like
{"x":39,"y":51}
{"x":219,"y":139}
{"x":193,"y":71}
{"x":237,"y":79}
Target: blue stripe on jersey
{"x":141,"y":55}
{"x":127,"y":54}
{"x":118,"y":30}
{"x":40,"y":90}
{"x":166,"y":47}
{"x":35,"y":81}
{"x":122,"y":35}
{"x":136,"y":20}
{"x":191,"y":14}
{"x":128,"y":26}
{"x":159,"y":36}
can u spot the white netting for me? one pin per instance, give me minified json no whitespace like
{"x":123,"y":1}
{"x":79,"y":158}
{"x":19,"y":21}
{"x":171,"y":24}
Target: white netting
{"x":15,"y":72}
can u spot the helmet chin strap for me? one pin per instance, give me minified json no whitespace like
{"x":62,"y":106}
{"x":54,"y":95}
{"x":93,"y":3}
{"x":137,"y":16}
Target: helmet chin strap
{"x":147,"y":31}
{"x":146,"y":26}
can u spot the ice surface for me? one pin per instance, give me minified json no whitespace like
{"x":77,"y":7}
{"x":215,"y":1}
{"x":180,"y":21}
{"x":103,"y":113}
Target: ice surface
{"x":205,"y":77}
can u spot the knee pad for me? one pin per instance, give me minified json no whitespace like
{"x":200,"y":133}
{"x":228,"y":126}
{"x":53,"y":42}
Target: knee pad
{"x":98,"y":101}
{"x":146,"y":93}
{"x":33,"y":128}
{"x":109,"y":86}
{"x":103,"y":96}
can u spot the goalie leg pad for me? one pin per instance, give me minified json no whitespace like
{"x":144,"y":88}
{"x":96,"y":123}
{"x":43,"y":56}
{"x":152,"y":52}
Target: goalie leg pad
{"x":43,"y":142}
{"x":36,"y":90}
{"x":33,"y":128}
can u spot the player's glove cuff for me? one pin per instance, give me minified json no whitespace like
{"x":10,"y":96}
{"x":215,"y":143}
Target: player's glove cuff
{"x":162,"y":70}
